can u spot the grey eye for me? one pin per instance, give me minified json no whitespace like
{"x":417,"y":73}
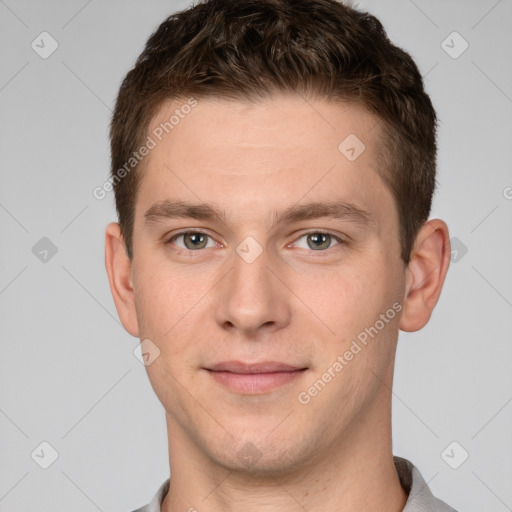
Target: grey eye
{"x":317,"y":241}
{"x":192,"y":240}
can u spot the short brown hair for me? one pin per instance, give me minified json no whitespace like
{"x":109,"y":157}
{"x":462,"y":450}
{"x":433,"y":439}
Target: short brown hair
{"x":249,"y":49}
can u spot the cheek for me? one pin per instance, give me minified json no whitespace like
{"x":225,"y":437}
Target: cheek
{"x":164,"y":298}
{"x":165,"y":310}
{"x":348,"y":298}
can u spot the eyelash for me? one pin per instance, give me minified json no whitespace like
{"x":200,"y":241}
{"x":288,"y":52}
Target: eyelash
{"x":190,"y":251}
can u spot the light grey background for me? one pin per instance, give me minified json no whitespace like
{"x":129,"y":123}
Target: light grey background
{"x":68,"y":373}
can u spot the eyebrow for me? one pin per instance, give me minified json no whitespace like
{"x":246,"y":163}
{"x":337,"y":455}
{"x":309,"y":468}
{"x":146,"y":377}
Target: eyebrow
{"x":169,"y":209}
{"x":181,"y":209}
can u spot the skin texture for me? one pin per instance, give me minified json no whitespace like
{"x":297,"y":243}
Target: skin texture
{"x":293,"y":304}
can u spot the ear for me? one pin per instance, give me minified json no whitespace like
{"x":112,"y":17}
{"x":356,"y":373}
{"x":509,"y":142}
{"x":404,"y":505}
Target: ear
{"x":118,"y":266}
{"x":425,"y":274}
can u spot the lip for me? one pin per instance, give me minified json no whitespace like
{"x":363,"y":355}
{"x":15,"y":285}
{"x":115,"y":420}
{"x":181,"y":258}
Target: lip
{"x":254,"y":378}
{"x":264,"y":367}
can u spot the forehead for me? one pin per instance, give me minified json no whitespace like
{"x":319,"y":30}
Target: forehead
{"x":271,"y":151}
{"x":283,"y":120}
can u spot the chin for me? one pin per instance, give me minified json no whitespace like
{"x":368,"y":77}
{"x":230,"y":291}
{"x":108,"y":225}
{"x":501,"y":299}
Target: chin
{"x":262,"y":456}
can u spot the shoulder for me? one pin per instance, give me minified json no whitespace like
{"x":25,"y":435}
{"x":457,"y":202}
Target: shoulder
{"x":156,"y":501}
{"x":420,"y":498}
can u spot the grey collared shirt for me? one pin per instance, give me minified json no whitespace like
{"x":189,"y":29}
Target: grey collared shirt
{"x":420,"y":498}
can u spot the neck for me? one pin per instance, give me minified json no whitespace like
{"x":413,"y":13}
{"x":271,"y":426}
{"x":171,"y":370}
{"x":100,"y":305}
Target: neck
{"x":356,"y":474}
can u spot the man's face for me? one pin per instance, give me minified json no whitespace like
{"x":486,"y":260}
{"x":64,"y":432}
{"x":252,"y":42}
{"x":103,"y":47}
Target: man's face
{"x":258,"y":286}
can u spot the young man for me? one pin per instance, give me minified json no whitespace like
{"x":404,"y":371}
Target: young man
{"x":274,"y":164}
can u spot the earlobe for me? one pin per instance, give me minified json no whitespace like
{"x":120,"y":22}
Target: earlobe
{"x":425,"y":274}
{"x":118,"y":266}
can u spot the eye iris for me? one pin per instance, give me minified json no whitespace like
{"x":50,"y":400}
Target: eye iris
{"x":320,"y":240}
{"x":198,"y":241}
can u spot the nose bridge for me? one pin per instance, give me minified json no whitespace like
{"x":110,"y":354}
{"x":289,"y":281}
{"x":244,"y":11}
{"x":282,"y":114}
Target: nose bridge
{"x":251,"y":296}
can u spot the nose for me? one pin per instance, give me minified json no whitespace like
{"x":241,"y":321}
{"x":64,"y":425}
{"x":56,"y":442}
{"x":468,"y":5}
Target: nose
{"x":252,"y":300}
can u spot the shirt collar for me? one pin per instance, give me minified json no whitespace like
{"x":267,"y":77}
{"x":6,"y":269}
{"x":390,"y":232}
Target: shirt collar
{"x":420,"y":497}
